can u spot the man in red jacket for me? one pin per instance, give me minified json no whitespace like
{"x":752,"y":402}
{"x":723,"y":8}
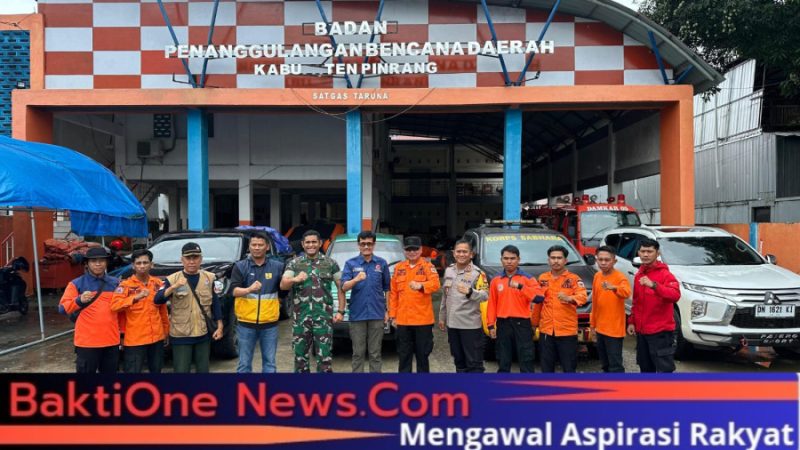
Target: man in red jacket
{"x":655,"y":291}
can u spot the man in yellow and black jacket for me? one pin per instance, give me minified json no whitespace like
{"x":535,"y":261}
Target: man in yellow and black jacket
{"x":255,"y":282}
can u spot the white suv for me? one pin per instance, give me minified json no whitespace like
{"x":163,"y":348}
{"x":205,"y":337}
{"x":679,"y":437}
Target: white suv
{"x":730,"y":295}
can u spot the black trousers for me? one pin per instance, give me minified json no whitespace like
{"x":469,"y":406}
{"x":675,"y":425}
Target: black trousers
{"x":610,"y":351}
{"x":655,"y":352}
{"x":563,"y":349}
{"x":514,"y":331}
{"x":135,"y":357}
{"x":466,"y":346}
{"x":100,"y":359}
{"x":414,"y":341}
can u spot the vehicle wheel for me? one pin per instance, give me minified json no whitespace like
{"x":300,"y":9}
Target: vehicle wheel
{"x":228,"y":346}
{"x":23,"y":306}
{"x":489,"y":353}
{"x":683,"y":349}
{"x":792,"y":353}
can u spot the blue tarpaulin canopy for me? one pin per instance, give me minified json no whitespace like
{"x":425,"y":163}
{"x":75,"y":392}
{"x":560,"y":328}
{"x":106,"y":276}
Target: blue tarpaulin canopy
{"x":35,"y":175}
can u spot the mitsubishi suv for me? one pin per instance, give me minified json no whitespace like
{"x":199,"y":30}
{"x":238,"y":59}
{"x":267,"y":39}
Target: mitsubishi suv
{"x":730,"y":294}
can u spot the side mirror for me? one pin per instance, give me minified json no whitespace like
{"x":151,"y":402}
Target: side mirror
{"x":772,"y":259}
{"x":637,"y":261}
{"x":590,"y":259}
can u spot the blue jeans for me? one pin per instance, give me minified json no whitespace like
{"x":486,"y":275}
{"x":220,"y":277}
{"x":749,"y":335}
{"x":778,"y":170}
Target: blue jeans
{"x":268,"y":341}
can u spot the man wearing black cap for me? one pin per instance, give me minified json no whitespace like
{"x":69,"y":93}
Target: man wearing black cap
{"x":195,"y":308}
{"x":87,"y":300}
{"x":411,"y":306}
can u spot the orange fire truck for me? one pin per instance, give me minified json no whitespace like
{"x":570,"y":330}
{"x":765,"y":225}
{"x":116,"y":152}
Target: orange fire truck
{"x":584,"y":221}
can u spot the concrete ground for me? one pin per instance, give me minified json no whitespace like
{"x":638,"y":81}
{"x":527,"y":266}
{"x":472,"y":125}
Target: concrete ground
{"x":58,"y":356}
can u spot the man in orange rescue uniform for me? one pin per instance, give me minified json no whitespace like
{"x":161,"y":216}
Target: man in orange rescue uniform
{"x":557,"y":316}
{"x":610,"y":288}
{"x":512,"y":293}
{"x":87,"y":302}
{"x":146,"y":324}
{"x":411,"y":306}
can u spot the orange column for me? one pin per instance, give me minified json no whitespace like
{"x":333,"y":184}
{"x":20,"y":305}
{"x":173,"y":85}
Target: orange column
{"x":677,"y":162}
{"x":31,"y":124}
{"x":23,"y":239}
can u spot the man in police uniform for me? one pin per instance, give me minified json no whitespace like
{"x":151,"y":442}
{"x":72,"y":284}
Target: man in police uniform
{"x":311,"y":276}
{"x":465,"y":287}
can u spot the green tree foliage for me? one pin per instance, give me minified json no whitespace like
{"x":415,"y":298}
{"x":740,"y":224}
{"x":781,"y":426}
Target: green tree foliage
{"x":724,"y":32}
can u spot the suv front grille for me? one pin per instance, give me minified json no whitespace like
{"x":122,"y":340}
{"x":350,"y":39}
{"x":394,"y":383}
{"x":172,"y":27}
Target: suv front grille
{"x":757,"y":295}
{"x":745,"y":318}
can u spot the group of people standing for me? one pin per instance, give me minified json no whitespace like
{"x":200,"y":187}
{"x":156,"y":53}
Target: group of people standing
{"x":517,"y":304}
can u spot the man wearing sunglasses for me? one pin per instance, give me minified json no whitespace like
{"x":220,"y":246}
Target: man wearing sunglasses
{"x":367,"y":276}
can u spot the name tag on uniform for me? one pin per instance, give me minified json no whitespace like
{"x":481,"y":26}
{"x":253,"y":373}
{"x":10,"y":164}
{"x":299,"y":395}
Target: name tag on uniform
{"x":358,"y":269}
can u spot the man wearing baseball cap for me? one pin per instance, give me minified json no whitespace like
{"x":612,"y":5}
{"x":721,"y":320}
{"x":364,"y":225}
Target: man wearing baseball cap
{"x":87,"y":301}
{"x":196,"y":308}
{"x":411,"y":306}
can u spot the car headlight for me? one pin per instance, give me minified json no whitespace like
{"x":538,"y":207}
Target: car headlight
{"x":712,"y":312}
{"x":714,"y":292}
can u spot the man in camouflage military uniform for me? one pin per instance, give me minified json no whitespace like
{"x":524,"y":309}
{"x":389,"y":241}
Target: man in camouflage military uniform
{"x":311,"y":277}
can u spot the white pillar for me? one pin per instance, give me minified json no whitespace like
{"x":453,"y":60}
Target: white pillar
{"x":368,"y":174}
{"x":275,"y":208}
{"x":245,"y":184}
{"x":184,"y":209}
{"x":173,"y":209}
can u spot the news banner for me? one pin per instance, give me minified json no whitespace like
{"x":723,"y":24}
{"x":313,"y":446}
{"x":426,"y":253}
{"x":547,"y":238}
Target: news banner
{"x":403,"y":411}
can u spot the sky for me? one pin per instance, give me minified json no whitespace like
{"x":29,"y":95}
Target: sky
{"x":26,"y":6}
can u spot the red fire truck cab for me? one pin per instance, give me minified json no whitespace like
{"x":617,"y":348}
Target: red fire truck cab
{"x":584,"y":221}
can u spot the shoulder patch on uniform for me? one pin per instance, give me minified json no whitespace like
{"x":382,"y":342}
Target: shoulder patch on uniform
{"x":480,"y":282}
{"x":580,"y":284}
{"x":119,"y":290}
{"x":433,"y":269}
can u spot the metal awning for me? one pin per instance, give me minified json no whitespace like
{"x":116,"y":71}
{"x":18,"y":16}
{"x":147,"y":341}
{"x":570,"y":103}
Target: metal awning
{"x":701,"y":75}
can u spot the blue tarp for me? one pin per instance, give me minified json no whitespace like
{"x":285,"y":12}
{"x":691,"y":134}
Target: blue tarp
{"x":35,"y":175}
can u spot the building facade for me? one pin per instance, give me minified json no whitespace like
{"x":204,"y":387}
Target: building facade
{"x":543,"y":98}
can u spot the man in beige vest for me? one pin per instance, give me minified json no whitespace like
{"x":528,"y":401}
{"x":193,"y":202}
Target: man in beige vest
{"x":192,"y":297}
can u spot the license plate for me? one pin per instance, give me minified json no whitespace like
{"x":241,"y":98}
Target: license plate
{"x":774,"y":311}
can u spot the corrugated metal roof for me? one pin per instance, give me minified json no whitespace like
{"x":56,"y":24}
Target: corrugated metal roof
{"x":636,"y":26}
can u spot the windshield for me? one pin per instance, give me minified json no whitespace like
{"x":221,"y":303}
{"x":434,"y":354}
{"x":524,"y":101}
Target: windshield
{"x":391,"y":251}
{"x":532,"y":248}
{"x":215,"y":249}
{"x":594,"y":223}
{"x":708,"y":251}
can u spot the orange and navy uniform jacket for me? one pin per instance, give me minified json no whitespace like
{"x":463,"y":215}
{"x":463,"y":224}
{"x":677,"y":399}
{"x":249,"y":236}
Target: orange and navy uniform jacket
{"x":97,"y":325}
{"x":608,"y":307}
{"x":145,"y":322}
{"x":553,"y":317}
{"x":507,"y":302}
{"x":408,"y":306}
{"x":652,"y":309}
